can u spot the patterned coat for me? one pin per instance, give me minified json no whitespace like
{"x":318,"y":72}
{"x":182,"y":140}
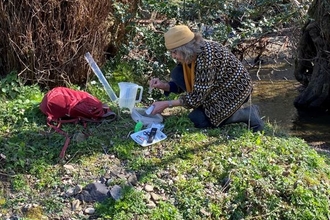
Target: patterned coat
{"x":222,"y":84}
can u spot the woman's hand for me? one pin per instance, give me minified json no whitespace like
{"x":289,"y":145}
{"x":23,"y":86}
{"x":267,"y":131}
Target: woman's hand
{"x":157,"y":83}
{"x":160,"y":106}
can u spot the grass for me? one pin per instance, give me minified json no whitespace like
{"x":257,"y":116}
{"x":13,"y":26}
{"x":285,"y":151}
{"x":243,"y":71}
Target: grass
{"x":223,"y":173}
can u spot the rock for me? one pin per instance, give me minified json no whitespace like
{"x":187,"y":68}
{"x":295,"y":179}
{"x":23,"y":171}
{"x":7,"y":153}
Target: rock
{"x":89,"y":211}
{"x":69,"y":192}
{"x":97,"y":191}
{"x":66,"y":179}
{"x":115,"y":171}
{"x":79,"y":137}
{"x":132,"y":179}
{"x":27,"y":207}
{"x":122,"y":176}
{"x":115,"y":192}
{"x":147,"y":196}
{"x":108,"y":182}
{"x":148,"y":188}
{"x":102,"y":180}
{"x":151,"y":205}
{"x":75,"y":205}
{"x":69,"y":167}
{"x":14,"y":217}
{"x":154,"y":196}
{"x":84,"y":196}
{"x":77,"y":189}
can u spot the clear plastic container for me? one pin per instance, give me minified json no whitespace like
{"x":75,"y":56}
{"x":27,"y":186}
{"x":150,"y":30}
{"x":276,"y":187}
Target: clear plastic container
{"x":100,"y":76}
{"x":139,"y":114}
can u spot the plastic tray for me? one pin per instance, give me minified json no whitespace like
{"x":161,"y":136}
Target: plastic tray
{"x":141,"y":137}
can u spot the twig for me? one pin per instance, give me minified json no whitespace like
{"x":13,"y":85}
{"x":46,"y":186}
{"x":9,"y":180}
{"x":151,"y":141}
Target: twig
{"x":129,"y":133}
{"x":72,"y":157}
{"x":259,"y":70}
{"x":277,"y":70}
{"x":248,"y":63}
{"x":5,"y":174}
{"x":288,"y":62}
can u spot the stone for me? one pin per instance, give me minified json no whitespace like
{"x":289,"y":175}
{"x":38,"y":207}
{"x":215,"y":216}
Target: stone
{"x":70,"y":192}
{"x":151,"y":205}
{"x":122,"y":176}
{"x":115,"y":192}
{"x":84,"y":196}
{"x":75,"y":205}
{"x":132,"y":179}
{"x":77,"y":189}
{"x":79,"y":137}
{"x":147,"y":196}
{"x":102,"y":180}
{"x":89,"y":211}
{"x":115,"y":171}
{"x":155,"y":196}
{"x":69,"y":167}
{"x":108,"y":182}
{"x":148,"y":188}
{"x":98,"y":191}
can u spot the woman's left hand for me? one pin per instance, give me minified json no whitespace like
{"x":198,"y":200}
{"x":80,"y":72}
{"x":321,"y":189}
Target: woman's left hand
{"x":159,"y":107}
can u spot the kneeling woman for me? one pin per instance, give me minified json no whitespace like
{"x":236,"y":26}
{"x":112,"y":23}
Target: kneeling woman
{"x":211,"y":80}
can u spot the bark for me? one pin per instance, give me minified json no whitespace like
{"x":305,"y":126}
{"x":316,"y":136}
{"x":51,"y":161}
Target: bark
{"x":312,"y":67}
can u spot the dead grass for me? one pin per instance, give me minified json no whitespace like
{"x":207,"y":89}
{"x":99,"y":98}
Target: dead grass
{"x":45,"y":41}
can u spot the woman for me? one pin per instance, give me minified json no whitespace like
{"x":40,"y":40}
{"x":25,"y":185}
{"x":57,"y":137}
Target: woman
{"x":213,"y":82}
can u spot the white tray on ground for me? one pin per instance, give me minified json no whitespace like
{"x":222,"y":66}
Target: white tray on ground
{"x":141,"y":137}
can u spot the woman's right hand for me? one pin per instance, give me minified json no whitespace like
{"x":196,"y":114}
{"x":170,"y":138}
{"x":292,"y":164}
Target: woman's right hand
{"x":158,"y":84}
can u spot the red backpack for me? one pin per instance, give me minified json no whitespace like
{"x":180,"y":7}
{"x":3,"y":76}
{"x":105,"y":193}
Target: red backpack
{"x":64,"y":105}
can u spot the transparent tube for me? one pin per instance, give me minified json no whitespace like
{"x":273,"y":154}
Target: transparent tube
{"x":100,"y":76}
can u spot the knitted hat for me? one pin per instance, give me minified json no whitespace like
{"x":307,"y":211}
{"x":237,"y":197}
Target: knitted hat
{"x":177,"y":36}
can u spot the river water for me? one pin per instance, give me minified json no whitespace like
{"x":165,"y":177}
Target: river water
{"x":275,"y":89}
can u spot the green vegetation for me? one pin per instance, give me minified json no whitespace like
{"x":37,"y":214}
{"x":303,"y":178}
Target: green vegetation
{"x":231,"y":22}
{"x":224,"y":173}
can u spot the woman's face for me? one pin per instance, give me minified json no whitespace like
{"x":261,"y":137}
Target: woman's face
{"x":176,"y":55}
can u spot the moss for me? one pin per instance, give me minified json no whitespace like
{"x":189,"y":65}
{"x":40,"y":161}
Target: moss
{"x":34,"y":213}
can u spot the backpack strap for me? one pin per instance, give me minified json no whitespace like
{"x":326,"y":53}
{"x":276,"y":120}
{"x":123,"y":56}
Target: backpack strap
{"x":65,"y":146}
{"x":67,"y":137}
{"x":58,"y":129}
{"x":110,"y":115}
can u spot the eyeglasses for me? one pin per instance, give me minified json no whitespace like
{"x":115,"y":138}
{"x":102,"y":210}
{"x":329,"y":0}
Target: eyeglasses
{"x":174,"y":52}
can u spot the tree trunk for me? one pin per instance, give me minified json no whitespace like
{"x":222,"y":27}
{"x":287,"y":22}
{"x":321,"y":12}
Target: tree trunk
{"x":312,"y":67}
